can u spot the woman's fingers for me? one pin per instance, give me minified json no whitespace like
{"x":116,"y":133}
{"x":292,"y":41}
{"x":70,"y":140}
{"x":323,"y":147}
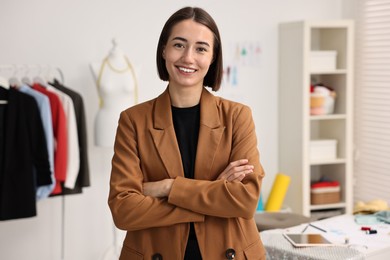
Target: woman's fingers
{"x":236,"y":170}
{"x":238,"y":176}
{"x":237,"y":163}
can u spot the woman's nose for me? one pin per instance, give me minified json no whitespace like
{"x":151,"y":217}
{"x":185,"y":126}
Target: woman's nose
{"x":188,"y":55}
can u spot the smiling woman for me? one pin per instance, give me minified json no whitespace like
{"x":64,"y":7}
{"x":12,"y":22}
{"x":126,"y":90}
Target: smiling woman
{"x":186,"y":165}
{"x":214,"y":76}
{"x":188,"y":55}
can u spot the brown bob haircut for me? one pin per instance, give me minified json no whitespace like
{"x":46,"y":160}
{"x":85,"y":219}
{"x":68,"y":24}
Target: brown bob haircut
{"x":213,"y":77}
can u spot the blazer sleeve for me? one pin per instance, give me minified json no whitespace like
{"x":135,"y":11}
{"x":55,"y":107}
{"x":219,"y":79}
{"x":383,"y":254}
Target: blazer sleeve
{"x":222,"y":198}
{"x":131,"y":210}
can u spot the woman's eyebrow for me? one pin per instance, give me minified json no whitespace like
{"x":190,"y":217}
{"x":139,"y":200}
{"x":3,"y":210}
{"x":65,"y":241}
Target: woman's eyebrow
{"x":185,"y":40}
{"x":180,"y":39}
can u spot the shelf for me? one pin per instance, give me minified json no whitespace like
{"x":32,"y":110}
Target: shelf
{"x":332,"y":161}
{"x":328,"y":117}
{"x":297,"y":128}
{"x":329,"y":72}
{"x":328,"y":206}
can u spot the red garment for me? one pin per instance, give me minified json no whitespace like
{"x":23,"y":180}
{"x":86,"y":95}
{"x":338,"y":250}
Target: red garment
{"x":60,"y":136}
{"x":325,"y":184}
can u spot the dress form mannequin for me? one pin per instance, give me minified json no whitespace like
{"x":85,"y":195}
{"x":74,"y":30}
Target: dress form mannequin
{"x":117,"y":89}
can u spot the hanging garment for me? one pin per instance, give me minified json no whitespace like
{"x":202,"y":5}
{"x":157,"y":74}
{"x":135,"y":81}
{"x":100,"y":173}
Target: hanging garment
{"x":83,"y":179}
{"x":24,"y":149}
{"x":45,"y":112}
{"x":60,"y":136}
{"x":73,"y":158}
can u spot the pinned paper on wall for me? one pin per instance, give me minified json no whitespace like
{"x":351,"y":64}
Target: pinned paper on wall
{"x":240,"y":55}
{"x":245,"y":54}
{"x":230,"y":76}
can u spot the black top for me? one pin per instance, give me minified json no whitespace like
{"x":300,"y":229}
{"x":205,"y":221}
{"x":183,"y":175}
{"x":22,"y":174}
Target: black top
{"x":186,"y":123}
{"x":2,"y":133}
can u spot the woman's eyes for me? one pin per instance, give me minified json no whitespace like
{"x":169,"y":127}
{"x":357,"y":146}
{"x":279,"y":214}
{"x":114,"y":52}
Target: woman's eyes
{"x":198,"y":49}
{"x":178,"y":45}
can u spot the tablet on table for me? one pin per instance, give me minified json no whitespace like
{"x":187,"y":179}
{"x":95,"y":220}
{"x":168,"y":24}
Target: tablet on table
{"x":304,"y":240}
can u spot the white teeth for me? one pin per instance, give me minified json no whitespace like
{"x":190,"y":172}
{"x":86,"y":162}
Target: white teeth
{"x":186,"y":70}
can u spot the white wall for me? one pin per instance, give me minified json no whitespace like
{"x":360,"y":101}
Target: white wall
{"x":71,"y":34}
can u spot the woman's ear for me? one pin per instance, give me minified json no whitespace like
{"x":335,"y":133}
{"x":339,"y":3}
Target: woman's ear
{"x":163,"y":53}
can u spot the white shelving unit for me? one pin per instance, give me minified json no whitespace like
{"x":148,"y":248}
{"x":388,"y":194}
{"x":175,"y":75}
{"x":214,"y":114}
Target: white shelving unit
{"x":297,"y":127}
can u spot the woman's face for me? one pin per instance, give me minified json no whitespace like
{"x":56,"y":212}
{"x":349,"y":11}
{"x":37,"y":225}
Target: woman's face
{"x":188,"y":54}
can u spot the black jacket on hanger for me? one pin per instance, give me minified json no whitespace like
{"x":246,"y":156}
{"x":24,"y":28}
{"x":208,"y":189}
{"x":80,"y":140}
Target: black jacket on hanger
{"x":83,"y":179}
{"x":24,"y":162}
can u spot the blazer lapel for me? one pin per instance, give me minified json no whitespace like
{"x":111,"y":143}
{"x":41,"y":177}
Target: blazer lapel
{"x":210,"y":134}
{"x":164,"y":136}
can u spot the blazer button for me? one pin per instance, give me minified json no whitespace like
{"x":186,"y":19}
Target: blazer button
{"x":230,"y":254}
{"x":157,"y":257}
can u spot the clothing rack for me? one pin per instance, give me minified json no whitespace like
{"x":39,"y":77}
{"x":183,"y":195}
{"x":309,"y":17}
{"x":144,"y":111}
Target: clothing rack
{"x":24,"y":71}
{"x":63,"y":228}
{"x":18,"y":74}
{"x":13,"y":72}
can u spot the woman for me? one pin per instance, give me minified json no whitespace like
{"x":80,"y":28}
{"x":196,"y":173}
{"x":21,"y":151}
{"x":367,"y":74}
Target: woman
{"x":186,"y":175}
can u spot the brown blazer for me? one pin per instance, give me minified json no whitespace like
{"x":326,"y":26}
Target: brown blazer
{"x":146,"y":150}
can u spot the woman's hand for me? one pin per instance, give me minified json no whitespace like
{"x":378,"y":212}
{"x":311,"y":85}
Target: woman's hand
{"x":158,"y":189}
{"x":236,"y":171}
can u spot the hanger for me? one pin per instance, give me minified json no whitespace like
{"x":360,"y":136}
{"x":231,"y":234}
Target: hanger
{"x":25,"y":79}
{"x":14,"y":81}
{"x":62,"y":80}
{"x":56,"y":80}
{"x":4,"y":85}
{"x":4,"y":82}
{"x":38,"y":78}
